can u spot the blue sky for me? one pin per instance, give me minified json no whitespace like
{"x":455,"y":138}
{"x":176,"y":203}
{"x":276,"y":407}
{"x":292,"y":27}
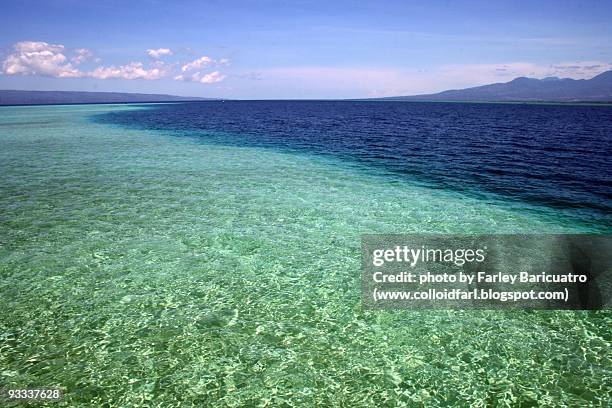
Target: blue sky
{"x":297,"y":49}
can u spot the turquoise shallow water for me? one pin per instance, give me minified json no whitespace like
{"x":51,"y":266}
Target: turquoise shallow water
{"x":138,"y":267}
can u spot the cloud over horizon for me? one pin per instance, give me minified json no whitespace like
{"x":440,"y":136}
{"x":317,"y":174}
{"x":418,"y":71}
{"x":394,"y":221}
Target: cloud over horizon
{"x":81,"y":55}
{"x":192,"y":71}
{"x":210,"y":78}
{"x":383,"y":81}
{"x":55,"y":60}
{"x":38,"y":58}
{"x":201,"y":62}
{"x":133,"y":70}
{"x":160,"y":52}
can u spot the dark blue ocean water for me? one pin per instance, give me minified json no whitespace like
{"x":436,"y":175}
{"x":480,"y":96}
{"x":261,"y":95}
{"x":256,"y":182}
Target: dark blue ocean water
{"x":552,"y":155}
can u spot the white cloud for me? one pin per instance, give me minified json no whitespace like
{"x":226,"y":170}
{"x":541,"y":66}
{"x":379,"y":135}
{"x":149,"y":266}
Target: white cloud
{"x":197,"y":76}
{"x":134,"y":70}
{"x":212,"y":78}
{"x":209,"y":78}
{"x":158,"y":53}
{"x":39,"y":58}
{"x":82,"y":55}
{"x":197,"y":64}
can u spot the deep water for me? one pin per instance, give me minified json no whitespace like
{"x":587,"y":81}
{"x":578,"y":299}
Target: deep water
{"x":552,"y":155}
{"x":170,"y":255}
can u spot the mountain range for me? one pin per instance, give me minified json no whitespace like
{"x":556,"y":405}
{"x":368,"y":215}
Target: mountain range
{"x":551,"y":89}
{"x":522,"y":89}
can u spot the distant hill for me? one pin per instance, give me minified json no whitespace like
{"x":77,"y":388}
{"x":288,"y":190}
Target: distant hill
{"x":551,"y":89}
{"x":13,"y":97}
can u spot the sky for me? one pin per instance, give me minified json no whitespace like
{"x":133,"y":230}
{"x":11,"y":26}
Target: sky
{"x":264,"y":49}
